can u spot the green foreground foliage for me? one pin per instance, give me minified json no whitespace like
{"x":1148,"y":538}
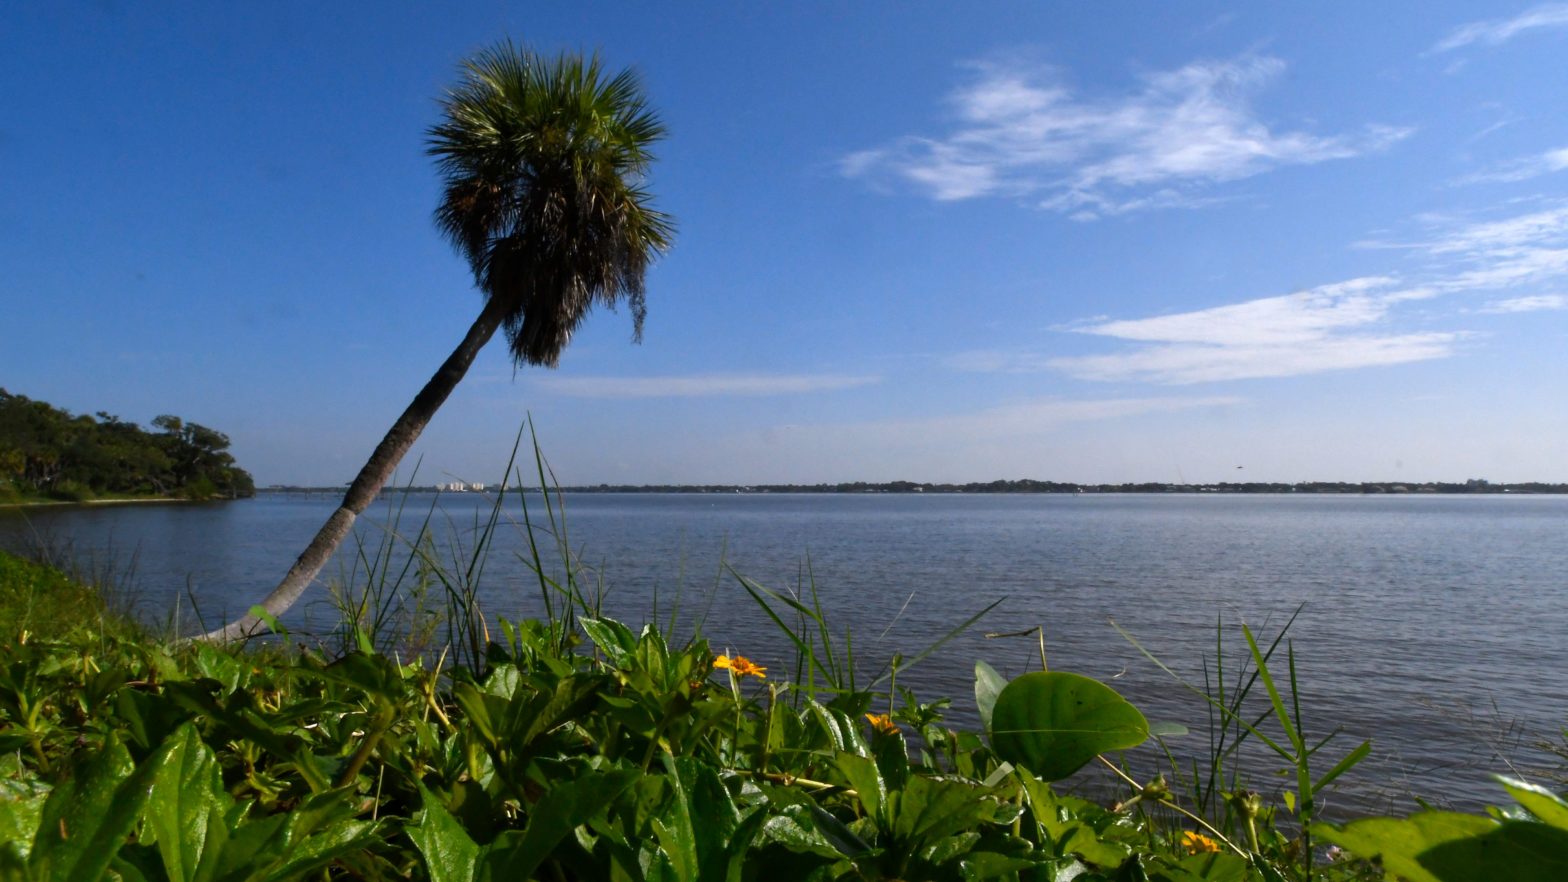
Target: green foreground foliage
{"x":48,"y":453}
{"x":580,"y":748}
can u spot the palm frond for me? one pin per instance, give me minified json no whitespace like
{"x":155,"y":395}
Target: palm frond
{"x":543,"y":162}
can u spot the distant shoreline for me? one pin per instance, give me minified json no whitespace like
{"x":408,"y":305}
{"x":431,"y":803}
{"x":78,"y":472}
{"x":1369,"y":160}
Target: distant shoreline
{"x":1393,"y":488}
{"x":153,"y":500}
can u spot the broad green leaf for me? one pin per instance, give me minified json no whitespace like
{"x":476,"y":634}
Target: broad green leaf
{"x":186,"y":809}
{"x":1054,"y":722}
{"x":929,"y":809}
{"x":1044,"y":806}
{"x":476,"y":710}
{"x":990,"y":865}
{"x":1082,"y":841}
{"x":1450,"y":847}
{"x":891,"y":754}
{"x":1542,"y":803}
{"x":148,"y":717}
{"x":864,"y":777}
{"x":614,"y":639}
{"x":784,"y":728}
{"x":714,"y":817}
{"x":677,"y":844}
{"x":563,"y":808}
{"x":375,"y":675}
{"x":21,"y":807}
{"x":450,"y":855}
{"x":87,"y":818}
{"x":794,"y":829}
{"x":652,"y":654}
{"x":802,"y":825}
{"x":951,"y":847}
{"x":571,"y":698}
{"x":988,"y":685}
{"x":312,"y":836}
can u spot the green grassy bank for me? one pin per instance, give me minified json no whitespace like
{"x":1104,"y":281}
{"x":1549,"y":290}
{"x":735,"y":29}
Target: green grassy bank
{"x":579,"y":748}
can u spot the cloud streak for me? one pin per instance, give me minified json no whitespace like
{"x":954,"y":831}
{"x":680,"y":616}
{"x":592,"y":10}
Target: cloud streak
{"x":1313,"y":331}
{"x":1341,"y":326}
{"x":1525,"y":249}
{"x":1495,"y":32}
{"x":701,"y":385}
{"x":1021,"y":133}
{"x":1521,"y":169}
{"x":1533,"y":303}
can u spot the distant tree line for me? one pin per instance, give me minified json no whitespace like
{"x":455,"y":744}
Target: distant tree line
{"x":49,"y":452}
{"x":1028,"y":485}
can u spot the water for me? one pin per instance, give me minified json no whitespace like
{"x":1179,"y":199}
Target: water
{"x":1435,"y":625}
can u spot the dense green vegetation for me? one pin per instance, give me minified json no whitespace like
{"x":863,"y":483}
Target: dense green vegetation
{"x":424,"y":740}
{"x":49,"y":453}
{"x":578,"y":748}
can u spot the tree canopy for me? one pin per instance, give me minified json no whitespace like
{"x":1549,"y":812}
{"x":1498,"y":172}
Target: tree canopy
{"x":49,"y":452}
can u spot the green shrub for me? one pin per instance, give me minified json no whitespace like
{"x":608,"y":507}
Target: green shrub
{"x":71,"y":491}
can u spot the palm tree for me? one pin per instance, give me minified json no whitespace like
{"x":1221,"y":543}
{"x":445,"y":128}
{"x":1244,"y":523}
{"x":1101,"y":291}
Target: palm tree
{"x":542,"y":162}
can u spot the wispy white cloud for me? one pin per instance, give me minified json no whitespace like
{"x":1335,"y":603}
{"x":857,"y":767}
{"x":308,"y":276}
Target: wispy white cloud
{"x":1495,"y":32}
{"x":1533,"y":303}
{"x":1521,"y":169}
{"x":1020,"y":132}
{"x":1293,"y":318}
{"x":1509,"y":235}
{"x":1468,"y":255}
{"x":700,"y":385}
{"x":1191,"y":363}
{"x":1332,"y":327}
{"x":1322,"y":329}
{"x":1519,"y":250}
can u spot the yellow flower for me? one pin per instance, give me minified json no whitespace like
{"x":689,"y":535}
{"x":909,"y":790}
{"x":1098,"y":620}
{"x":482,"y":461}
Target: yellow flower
{"x":1197,"y":843}
{"x":882,"y":723}
{"x":741,"y":666}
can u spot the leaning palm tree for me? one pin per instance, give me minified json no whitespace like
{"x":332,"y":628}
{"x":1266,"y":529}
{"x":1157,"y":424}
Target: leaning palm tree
{"x":543,"y":162}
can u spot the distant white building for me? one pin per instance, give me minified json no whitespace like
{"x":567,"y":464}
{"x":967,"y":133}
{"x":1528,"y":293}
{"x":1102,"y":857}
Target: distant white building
{"x":460,"y":487}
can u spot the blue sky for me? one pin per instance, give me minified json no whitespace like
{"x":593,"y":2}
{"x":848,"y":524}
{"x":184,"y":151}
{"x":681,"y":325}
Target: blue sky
{"x":1085,"y":242}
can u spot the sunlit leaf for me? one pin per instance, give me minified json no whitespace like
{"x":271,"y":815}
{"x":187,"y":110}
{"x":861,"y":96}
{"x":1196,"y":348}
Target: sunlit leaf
{"x":988,"y":685}
{"x":1054,"y":722}
{"x":1544,"y":804}
{"x":1451,"y":847}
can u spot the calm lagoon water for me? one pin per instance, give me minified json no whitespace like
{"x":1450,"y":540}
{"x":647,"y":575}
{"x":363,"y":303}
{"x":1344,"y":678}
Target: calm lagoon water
{"x":1436,"y":626}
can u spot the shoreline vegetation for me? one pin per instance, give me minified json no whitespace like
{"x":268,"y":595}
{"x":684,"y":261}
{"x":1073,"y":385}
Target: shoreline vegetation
{"x":52,"y":455}
{"x":33,"y":502}
{"x":576,"y":747}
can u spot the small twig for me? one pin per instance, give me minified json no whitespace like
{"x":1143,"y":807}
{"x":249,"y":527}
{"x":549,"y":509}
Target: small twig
{"x":1168,"y":804}
{"x":789,"y":780}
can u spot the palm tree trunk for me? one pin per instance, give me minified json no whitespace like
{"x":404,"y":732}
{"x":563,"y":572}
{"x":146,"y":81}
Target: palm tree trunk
{"x":375,"y":474}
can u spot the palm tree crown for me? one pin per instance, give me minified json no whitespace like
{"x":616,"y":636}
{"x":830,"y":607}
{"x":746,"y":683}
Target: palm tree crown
{"x":542,"y":163}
